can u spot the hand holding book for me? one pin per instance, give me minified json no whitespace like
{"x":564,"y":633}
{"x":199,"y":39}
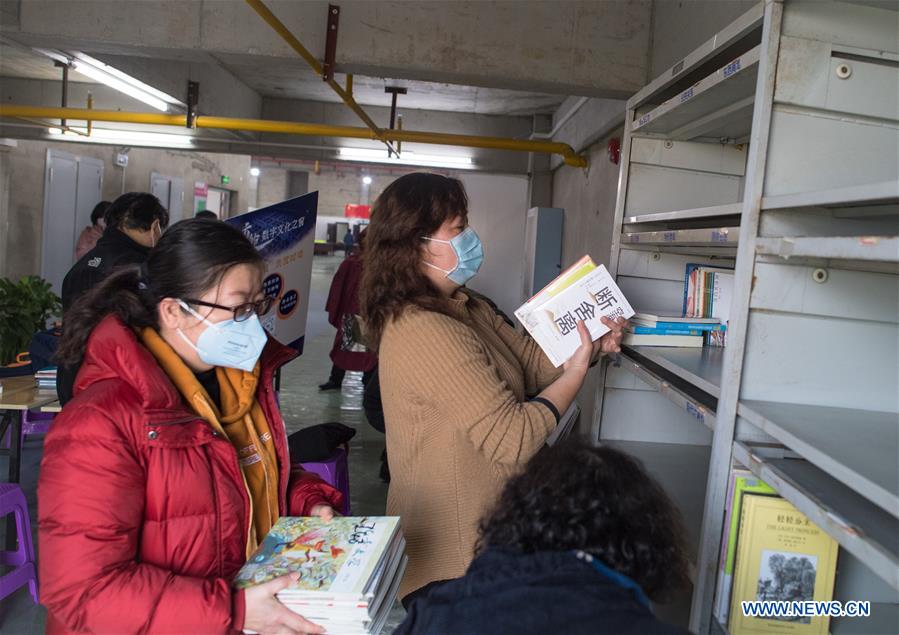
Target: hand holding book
{"x":609,"y":343}
{"x":266,"y":614}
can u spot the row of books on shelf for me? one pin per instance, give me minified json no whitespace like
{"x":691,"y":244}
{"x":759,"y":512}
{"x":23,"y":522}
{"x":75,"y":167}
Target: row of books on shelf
{"x":46,"y":377}
{"x":771,"y":552}
{"x":703,"y":319}
{"x":350,"y":569}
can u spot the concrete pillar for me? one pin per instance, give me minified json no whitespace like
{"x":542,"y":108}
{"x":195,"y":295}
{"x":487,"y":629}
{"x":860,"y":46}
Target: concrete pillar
{"x":6,"y":145}
{"x":540,"y":181}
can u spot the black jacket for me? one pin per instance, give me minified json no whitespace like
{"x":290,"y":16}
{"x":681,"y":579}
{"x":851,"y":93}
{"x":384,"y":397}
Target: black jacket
{"x":531,"y":594}
{"x":114,"y":249}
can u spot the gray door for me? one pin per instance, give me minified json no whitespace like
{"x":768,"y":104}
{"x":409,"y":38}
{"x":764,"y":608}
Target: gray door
{"x":89,"y":193}
{"x":170,"y":192}
{"x":59,"y":231}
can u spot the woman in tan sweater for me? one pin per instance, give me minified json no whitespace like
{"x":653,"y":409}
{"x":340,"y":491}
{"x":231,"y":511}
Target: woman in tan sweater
{"x":458,"y":384}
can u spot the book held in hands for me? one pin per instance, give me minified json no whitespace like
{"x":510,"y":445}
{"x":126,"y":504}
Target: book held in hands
{"x":585,"y":292}
{"x":350,"y":569}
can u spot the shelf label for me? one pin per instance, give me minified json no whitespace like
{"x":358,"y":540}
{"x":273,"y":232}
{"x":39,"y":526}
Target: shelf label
{"x":642,"y":121}
{"x":687,"y":94}
{"x":669,"y":237}
{"x":732,"y":68}
{"x":695,"y":412}
{"x":719,"y":236}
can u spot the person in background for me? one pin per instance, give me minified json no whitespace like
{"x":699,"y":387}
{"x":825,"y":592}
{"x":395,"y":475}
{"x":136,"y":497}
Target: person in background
{"x":206,"y":214}
{"x":171,"y":463}
{"x":467,"y":398}
{"x":577,"y":544}
{"x":91,"y":234}
{"x":134,"y":222}
{"x":348,"y":242}
{"x":343,"y":308}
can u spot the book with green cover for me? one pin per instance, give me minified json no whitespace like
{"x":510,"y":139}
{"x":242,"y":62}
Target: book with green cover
{"x":742,"y":482}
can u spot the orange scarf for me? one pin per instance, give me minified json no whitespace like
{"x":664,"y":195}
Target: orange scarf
{"x":240,"y":420}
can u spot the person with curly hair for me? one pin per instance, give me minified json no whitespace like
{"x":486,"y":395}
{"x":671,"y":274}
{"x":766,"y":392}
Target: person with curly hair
{"x":578,"y":544}
{"x":467,"y":399}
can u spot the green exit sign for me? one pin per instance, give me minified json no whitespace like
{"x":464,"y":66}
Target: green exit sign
{"x":226,"y":179}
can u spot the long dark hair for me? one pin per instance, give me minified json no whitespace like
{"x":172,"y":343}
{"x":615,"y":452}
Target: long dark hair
{"x":410,"y":208}
{"x":190,"y":258}
{"x":598,"y":500}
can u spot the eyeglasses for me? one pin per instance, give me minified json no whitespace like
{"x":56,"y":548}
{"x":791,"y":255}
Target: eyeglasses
{"x":241,"y":311}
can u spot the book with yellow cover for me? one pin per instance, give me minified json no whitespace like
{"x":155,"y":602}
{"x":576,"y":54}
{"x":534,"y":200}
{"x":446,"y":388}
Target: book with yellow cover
{"x":781,"y":556}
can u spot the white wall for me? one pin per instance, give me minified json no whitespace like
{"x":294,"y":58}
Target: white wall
{"x":497,"y":209}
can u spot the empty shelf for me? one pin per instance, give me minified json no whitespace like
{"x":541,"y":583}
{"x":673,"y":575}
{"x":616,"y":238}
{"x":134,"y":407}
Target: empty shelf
{"x":682,"y":471}
{"x":697,"y":109}
{"x":701,"y":413}
{"x":858,"y":447}
{"x":685,"y":214}
{"x":877,"y":248}
{"x":865,"y":194}
{"x":698,"y":366}
{"x":706,"y":237}
{"x":860,"y":527}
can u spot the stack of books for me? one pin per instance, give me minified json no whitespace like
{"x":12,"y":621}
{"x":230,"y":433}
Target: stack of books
{"x":659,"y":329}
{"x":350,"y":569}
{"x":583,"y":292}
{"x":46,"y":377}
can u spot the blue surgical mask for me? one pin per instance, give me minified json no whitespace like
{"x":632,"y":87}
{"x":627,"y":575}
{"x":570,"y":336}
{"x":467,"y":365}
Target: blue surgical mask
{"x":469,"y":256}
{"x":228,"y":343}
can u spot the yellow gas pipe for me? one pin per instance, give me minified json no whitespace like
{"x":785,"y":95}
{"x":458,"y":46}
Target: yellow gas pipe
{"x":289,"y":127}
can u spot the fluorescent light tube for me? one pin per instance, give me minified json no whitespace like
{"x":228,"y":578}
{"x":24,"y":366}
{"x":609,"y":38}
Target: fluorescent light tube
{"x":407,"y":158}
{"x":113,"y":82}
{"x":126,"y":137}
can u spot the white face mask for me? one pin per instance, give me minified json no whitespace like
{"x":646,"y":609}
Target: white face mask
{"x":228,"y":343}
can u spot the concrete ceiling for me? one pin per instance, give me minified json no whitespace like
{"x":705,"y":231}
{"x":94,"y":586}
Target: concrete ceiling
{"x":293,"y":79}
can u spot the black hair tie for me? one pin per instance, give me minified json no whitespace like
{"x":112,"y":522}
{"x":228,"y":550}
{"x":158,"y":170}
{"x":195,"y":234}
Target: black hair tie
{"x":143,"y":282}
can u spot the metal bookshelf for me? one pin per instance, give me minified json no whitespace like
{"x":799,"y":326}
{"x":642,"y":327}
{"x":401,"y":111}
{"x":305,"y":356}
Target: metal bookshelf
{"x":771,"y":149}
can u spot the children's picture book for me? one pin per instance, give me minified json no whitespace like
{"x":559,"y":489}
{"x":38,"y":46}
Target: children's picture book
{"x":350,"y":569}
{"x":585,"y":292}
{"x":781,"y":556}
{"x":337,"y":558}
{"x":742,"y":482}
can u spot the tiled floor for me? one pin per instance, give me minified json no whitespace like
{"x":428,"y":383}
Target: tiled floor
{"x":303,"y":405}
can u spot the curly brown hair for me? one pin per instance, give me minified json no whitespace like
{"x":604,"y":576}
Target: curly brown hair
{"x":409,"y":209}
{"x":607,"y":505}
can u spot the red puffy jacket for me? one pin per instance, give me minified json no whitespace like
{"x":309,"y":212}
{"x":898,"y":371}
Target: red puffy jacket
{"x":143,"y":512}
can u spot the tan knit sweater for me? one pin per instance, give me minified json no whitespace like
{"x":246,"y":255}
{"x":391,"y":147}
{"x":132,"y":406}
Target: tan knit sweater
{"x":458,"y":425}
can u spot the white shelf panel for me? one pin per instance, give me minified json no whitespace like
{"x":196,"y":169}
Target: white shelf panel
{"x":680,"y":399}
{"x":865,"y":194}
{"x":860,"y":527}
{"x":682,"y":471}
{"x":729,"y":35}
{"x":857,"y":447}
{"x":698,"y":366}
{"x":686,"y":214}
{"x":731,"y":84}
{"x":876,"y":248}
{"x":705,"y":237}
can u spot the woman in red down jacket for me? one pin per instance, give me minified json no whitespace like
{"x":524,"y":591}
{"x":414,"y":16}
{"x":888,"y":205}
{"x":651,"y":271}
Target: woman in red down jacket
{"x":170,"y":464}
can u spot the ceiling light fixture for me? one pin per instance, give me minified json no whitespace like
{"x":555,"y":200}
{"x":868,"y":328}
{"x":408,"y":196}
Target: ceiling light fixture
{"x":371,"y":155}
{"x":125,"y":137}
{"x":366,"y":180}
{"x":254,"y":171}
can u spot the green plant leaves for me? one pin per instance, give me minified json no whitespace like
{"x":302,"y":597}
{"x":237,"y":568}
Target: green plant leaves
{"x":25,"y":308}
